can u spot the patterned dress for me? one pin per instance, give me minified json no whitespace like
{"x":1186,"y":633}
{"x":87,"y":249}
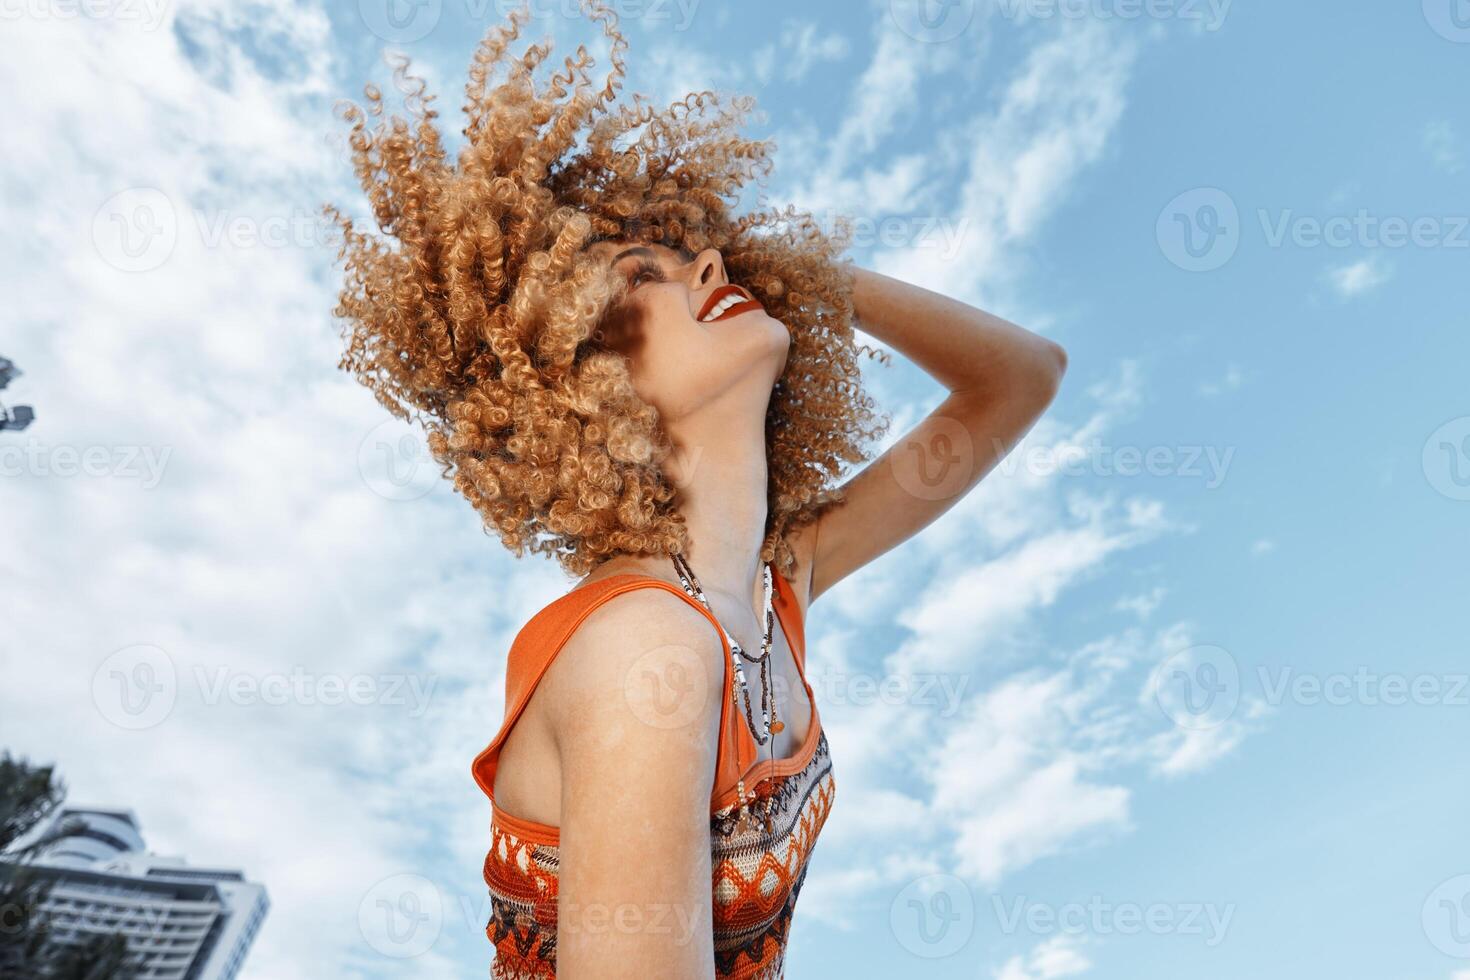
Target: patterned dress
{"x":760,"y":845}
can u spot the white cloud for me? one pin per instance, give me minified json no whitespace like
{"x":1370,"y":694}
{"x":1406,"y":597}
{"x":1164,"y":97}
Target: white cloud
{"x":803,"y":45}
{"x":1011,"y":792}
{"x":1022,"y":158}
{"x":1057,"y":957}
{"x":977,"y":604}
{"x":1143,"y":606}
{"x":834,"y":170}
{"x":263,"y":550}
{"x":1231,"y":381}
{"x":1359,"y":277}
{"x":1444,"y":146}
{"x":262,"y":554}
{"x":1038,"y":759}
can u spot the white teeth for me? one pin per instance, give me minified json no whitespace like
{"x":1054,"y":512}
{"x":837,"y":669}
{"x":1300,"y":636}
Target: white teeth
{"x":722,"y":306}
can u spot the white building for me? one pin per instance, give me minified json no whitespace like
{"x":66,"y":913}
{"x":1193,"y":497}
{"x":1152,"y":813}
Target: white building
{"x":181,"y":923}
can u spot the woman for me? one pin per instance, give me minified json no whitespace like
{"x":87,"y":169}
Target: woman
{"x":620,"y":371}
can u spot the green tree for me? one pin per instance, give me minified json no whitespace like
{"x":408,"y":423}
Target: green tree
{"x":29,"y":795}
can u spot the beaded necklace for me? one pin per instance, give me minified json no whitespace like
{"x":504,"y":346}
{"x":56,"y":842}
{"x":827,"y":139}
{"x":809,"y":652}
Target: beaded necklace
{"x":769,"y":722}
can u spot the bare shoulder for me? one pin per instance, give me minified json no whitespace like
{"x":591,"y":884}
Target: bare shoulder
{"x":637,"y":694}
{"x":643,"y":674}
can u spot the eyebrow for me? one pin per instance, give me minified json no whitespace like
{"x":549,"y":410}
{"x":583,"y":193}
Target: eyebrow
{"x":635,"y":250}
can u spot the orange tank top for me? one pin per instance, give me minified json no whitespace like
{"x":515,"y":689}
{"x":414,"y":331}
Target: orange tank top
{"x":760,"y":842}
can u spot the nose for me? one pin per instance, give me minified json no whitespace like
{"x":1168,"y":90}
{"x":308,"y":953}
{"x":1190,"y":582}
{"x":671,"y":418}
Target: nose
{"x":708,"y":269}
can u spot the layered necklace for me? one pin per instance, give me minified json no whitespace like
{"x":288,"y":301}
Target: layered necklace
{"x":769,"y":723}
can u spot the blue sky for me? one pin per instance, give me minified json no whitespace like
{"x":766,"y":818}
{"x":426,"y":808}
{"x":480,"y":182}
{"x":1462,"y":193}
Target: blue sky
{"x":1180,"y":691}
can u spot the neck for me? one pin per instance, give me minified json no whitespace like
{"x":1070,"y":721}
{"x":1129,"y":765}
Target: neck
{"x":721,"y":472}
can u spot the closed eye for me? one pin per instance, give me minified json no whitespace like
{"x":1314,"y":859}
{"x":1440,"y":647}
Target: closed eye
{"x":644,"y":272}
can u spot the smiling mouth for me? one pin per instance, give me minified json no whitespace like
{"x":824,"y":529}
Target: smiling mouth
{"x":726,"y":302}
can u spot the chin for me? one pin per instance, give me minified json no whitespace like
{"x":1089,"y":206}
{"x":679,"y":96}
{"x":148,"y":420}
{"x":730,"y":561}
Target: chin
{"x":773,"y":330}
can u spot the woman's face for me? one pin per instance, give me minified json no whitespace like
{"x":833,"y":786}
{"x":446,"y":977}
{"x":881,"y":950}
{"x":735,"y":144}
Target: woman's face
{"x":690,"y":335}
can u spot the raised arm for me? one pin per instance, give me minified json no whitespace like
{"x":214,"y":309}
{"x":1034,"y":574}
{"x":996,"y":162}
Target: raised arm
{"x":1000,"y":379}
{"x":634,"y":704}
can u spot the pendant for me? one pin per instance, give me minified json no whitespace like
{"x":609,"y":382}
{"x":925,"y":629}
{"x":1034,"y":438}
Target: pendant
{"x":778,"y":727}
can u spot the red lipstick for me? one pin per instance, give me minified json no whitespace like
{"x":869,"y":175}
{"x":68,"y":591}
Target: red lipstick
{"x":725,"y":302}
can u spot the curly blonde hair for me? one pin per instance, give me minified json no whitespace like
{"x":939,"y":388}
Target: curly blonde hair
{"x":480,"y":319}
